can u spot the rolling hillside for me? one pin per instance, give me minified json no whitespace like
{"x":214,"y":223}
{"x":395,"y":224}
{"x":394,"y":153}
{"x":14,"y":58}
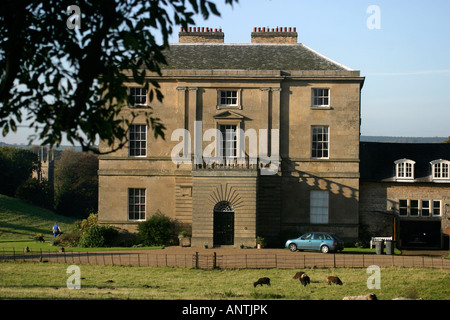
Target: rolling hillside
{"x":19,"y":220}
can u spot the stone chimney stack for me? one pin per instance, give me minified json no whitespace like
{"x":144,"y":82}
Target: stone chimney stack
{"x":201,"y":35}
{"x":274,"y":35}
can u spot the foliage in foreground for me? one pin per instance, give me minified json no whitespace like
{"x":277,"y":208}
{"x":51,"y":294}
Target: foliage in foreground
{"x":49,"y":281}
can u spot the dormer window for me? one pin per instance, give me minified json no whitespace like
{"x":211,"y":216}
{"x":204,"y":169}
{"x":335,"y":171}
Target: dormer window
{"x":404,"y":170}
{"x":440,"y":169}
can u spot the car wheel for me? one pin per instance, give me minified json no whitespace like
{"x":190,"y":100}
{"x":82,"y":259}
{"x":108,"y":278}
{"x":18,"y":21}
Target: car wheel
{"x":293,"y":247}
{"x":324,"y":249}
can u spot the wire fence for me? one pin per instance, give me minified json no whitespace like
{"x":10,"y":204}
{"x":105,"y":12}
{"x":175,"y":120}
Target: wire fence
{"x":227,"y":261}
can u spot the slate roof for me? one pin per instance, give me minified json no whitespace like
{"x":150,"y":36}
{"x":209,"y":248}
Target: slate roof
{"x":377,"y":159}
{"x":227,"y":56}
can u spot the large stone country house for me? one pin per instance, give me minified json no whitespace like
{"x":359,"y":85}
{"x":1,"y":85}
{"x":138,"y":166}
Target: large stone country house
{"x":262,"y":140}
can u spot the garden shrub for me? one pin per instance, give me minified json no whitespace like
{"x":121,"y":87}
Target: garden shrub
{"x":70,"y":239}
{"x":98,"y":236}
{"x":158,"y":230}
{"x":92,"y":238}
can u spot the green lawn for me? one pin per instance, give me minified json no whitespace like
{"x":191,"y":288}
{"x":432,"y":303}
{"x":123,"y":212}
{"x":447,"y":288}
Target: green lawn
{"x":21,"y":221}
{"x":27,"y":280}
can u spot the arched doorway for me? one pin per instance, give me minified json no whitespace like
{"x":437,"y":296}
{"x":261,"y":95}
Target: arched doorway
{"x":223,"y":223}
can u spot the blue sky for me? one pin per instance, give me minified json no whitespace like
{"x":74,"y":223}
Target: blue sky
{"x":406,"y":62}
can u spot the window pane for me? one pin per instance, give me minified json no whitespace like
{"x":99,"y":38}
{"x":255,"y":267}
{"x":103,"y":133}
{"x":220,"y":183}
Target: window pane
{"x":319,"y":142}
{"x":403,"y":207}
{"x":445,"y":170}
{"x":136,"y":204}
{"x":228,"y":97}
{"x":138,"y":140}
{"x":319,"y":207}
{"x":414,"y":207}
{"x":436,"y":208}
{"x":138,"y":96}
{"x":320,"y":97}
{"x":437,"y":170}
{"x":425,"y":208}
{"x":229,"y":140}
{"x":408,"y":172}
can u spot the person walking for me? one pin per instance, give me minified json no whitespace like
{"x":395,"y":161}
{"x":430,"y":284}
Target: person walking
{"x":56,"y":230}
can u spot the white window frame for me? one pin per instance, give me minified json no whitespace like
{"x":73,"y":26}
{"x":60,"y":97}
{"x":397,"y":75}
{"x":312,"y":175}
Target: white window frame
{"x":437,"y":208}
{"x":425,"y":208}
{"x":229,"y":102}
{"x":226,"y":135}
{"x":404,"y":208}
{"x":404,"y":170}
{"x":314,"y":143}
{"x":414,"y":208}
{"x":440,"y":170}
{"x":319,"y":206}
{"x":318,"y":96}
{"x":139,"y":194}
{"x":136,"y":94}
{"x":133,"y":141}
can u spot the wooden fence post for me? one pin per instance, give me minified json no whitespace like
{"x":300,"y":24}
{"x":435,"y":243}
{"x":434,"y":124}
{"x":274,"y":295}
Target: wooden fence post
{"x":196,"y":260}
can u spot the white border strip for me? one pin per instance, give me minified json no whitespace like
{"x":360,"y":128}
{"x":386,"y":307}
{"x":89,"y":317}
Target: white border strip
{"x":325,"y":57}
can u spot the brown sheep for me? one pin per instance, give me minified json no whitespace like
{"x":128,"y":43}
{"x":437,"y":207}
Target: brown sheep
{"x":334,"y":279}
{"x":262,"y":281}
{"x":298,"y":275}
{"x":304,"y":279}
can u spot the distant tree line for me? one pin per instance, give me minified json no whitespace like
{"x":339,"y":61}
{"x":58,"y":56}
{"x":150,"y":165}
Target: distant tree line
{"x":74,"y":192}
{"x":393,"y":139}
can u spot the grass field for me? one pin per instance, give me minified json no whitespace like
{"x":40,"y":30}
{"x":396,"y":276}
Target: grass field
{"x":25,"y":280}
{"x":22,"y":221}
{"x":19,"y":222}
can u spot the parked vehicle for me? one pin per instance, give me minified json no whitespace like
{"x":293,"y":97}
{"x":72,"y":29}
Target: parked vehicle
{"x":324,"y":242}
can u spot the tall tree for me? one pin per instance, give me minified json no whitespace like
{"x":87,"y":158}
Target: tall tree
{"x":76,"y":184}
{"x":16,"y":166}
{"x":61,"y":63}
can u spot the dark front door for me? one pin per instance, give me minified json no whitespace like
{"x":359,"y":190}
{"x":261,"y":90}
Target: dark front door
{"x":223,"y":228}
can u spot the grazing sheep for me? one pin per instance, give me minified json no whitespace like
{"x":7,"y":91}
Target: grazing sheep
{"x":334,"y":279}
{"x":298,"y":275}
{"x":304,"y":279}
{"x":370,"y":296}
{"x":262,"y":281}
